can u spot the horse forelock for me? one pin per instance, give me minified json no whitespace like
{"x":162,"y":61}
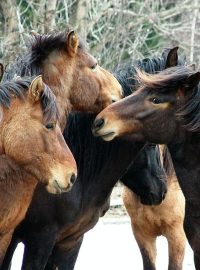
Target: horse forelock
{"x":189,"y":113}
{"x":42,"y":45}
{"x":19,"y":88}
{"x":49,"y":105}
{"x":167,"y":80}
{"x":13,"y":88}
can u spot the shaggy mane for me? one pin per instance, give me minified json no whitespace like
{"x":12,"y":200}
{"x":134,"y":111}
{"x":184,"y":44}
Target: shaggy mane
{"x":19,"y":88}
{"x":38,"y":49}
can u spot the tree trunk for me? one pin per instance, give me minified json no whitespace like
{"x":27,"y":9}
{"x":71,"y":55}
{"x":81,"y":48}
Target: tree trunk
{"x":79,"y":17}
{"x":49,"y":23}
{"x":10,"y":29}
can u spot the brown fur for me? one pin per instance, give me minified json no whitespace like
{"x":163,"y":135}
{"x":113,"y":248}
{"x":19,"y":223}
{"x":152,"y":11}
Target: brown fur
{"x":29,"y":153}
{"x":16,"y":192}
{"x":149,"y":222}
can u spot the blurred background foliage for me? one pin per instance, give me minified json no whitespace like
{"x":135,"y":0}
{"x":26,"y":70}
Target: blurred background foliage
{"x":116,"y":31}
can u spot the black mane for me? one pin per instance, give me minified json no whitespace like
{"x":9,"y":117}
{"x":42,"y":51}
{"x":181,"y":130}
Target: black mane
{"x":78,"y":136}
{"x":19,"y":88}
{"x":95,"y":158}
{"x":189,"y":114}
{"x":126,"y":75}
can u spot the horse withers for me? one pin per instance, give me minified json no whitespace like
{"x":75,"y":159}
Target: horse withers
{"x":32,"y":150}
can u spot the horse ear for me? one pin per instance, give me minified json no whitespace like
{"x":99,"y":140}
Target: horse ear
{"x":192,"y":81}
{"x":36,"y":89}
{"x":72,"y":42}
{"x":171,"y":57}
{"x":1,"y":71}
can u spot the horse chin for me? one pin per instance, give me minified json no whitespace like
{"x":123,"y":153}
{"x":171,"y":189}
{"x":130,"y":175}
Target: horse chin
{"x":55,"y":188}
{"x":108,"y":136}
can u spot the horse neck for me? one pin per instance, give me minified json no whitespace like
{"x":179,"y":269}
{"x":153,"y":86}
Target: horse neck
{"x":126,"y":74}
{"x":64,"y":108}
{"x":100,"y":163}
{"x":185,"y":151}
{"x":58,"y":76}
{"x":172,"y":182}
{"x":14,"y":179}
{"x":167,"y":163}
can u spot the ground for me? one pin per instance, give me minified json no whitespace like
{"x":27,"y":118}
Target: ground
{"x":111,"y":245}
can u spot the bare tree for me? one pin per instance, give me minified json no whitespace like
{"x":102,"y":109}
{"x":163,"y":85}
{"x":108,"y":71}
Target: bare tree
{"x":116,"y":30}
{"x":50,"y":10}
{"x":79,"y":17}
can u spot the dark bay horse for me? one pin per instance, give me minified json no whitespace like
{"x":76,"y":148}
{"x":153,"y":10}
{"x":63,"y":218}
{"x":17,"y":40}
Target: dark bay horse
{"x":165,"y":219}
{"x":32,"y":150}
{"x":74,"y":75}
{"x":166,"y":109}
{"x":53,"y":239}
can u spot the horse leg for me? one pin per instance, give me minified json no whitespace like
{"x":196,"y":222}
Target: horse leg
{"x":147,"y":245}
{"x":4,"y":243}
{"x":38,"y":248}
{"x":192,"y":230}
{"x":176,"y":245}
{"x":63,"y":259}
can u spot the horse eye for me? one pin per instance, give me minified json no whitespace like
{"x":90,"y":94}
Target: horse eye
{"x":50,"y":126}
{"x":156,"y":100}
{"x":94,"y":66}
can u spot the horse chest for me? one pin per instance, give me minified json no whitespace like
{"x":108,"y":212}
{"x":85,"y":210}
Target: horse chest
{"x":82,"y":224}
{"x":160,"y":218}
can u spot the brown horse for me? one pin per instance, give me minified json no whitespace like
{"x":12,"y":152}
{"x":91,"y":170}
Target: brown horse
{"x":165,"y":109}
{"x":165,"y":219}
{"x":32,"y":149}
{"x":73,"y":74}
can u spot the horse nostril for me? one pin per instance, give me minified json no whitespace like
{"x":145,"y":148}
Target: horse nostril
{"x":163,"y":195}
{"x":113,"y":100}
{"x":153,"y":197}
{"x":98,"y":123}
{"x":73,"y":178}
